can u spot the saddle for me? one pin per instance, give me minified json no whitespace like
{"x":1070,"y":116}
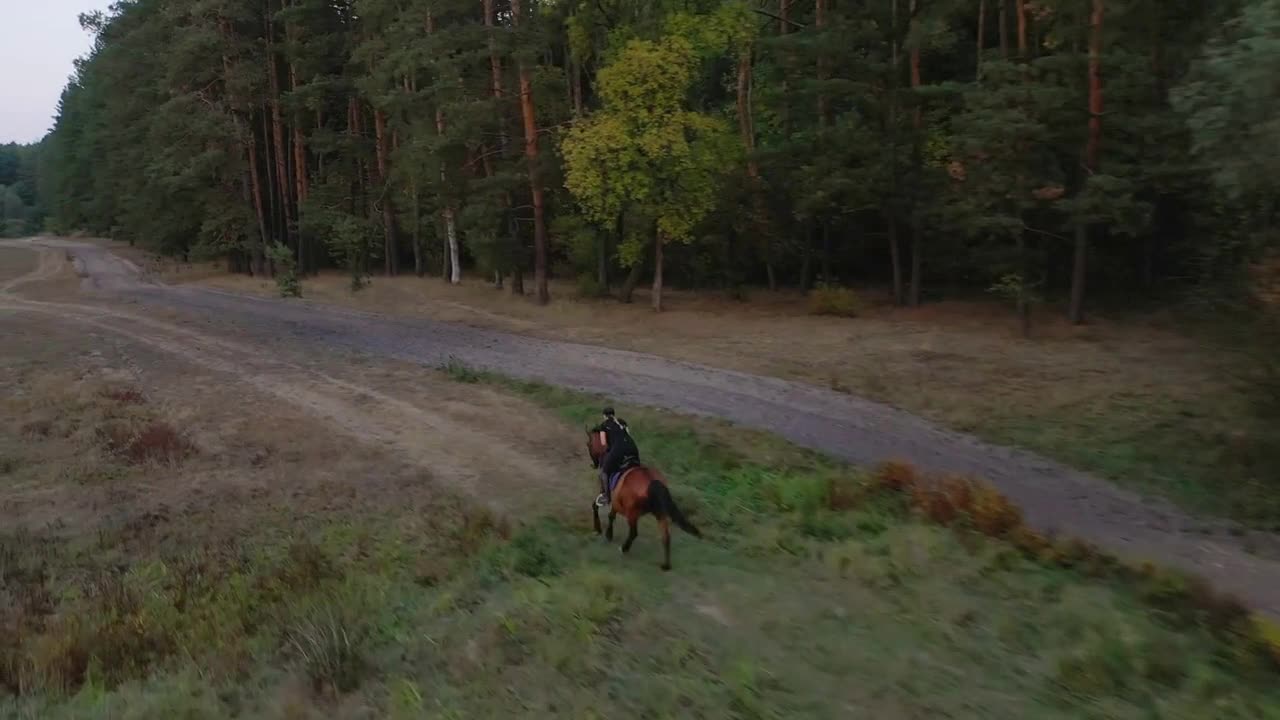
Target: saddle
{"x":627,"y":466}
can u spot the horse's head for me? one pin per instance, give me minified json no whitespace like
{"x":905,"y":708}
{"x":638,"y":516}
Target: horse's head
{"x":595,"y":448}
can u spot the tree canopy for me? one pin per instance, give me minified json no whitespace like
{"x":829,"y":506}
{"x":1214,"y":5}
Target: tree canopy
{"x":1041,"y":149}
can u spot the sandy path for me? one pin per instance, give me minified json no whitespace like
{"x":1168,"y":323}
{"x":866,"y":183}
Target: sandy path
{"x":1054,"y":498}
{"x":452,"y":442}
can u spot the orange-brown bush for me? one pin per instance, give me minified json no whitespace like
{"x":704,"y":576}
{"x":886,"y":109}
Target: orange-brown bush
{"x":950,"y":499}
{"x":124,"y":396}
{"x":844,"y":492}
{"x":896,"y":475}
{"x":992,"y":513}
{"x":156,"y":441}
{"x":159,"y":441}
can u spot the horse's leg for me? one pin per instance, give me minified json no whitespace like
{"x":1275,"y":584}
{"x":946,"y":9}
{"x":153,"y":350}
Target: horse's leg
{"x":595,"y":518}
{"x":632,"y":522}
{"x":664,"y":524}
{"x":608,"y":533}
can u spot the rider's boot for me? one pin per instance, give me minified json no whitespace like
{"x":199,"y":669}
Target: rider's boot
{"x":602,"y":499}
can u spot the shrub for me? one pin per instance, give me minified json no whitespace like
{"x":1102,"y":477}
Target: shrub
{"x":286,"y":270}
{"x":844,"y":492}
{"x":837,"y":301}
{"x":459,"y":371}
{"x":738,"y":292}
{"x":896,"y":475}
{"x":589,"y":286}
{"x":159,"y":442}
{"x":992,"y":513}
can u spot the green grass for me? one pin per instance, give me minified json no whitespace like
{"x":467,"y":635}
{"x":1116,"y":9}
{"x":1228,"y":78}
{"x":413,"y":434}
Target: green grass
{"x":1174,"y":449}
{"x":789,"y":608}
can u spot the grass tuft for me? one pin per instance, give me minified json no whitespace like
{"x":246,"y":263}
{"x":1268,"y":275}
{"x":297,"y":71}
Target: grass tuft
{"x":459,"y":371}
{"x":330,"y":644}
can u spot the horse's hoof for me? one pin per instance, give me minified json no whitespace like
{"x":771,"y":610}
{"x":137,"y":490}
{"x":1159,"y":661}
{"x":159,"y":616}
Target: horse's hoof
{"x":665,"y":568}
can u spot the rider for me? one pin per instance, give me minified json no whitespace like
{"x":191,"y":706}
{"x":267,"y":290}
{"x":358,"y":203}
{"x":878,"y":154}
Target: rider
{"x":620,"y":449}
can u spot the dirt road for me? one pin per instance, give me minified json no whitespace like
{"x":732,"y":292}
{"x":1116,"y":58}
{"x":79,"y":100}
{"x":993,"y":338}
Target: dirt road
{"x":239,"y":334}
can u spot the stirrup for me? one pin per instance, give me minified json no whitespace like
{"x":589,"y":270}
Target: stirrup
{"x":601,"y":501}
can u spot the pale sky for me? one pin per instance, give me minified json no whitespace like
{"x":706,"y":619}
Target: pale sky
{"x":38,"y":41}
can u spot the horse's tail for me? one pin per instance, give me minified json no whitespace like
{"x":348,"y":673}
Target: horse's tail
{"x":665,"y":504}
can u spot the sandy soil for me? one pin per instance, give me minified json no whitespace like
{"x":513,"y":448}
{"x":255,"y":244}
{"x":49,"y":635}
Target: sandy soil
{"x":282,"y":349}
{"x":445,"y":430}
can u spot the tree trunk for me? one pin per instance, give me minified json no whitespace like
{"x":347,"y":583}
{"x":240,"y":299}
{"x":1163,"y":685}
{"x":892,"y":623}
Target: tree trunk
{"x":746,"y":128}
{"x":451,"y":233}
{"x":577,"y":89}
{"x":895,"y":257}
{"x":826,"y":256}
{"x":784,"y":28}
{"x":249,"y":146}
{"x":452,"y":270}
{"x":1149,"y":261}
{"x":269,"y":190}
{"x":390,"y":248}
{"x":916,"y":262}
{"x":301,"y":188}
{"x":820,"y":22}
{"x":806,"y":260}
{"x":633,"y":279}
{"x":982,"y":38}
{"x":1004,"y":29}
{"x":917,"y":232}
{"x":495,"y":71}
{"x":498,"y":92}
{"x":1023,"y":299}
{"x":602,"y":262}
{"x":283,"y":186}
{"x":259,"y":252}
{"x":658,"y":242}
{"x":1020,"y":7}
{"x":1080,"y":265}
{"x":890,"y":211}
{"x":419,"y":268}
{"x":444,"y":247}
{"x":535,"y":185}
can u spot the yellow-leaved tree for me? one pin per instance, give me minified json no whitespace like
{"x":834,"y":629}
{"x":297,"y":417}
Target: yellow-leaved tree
{"x":646,"y":152}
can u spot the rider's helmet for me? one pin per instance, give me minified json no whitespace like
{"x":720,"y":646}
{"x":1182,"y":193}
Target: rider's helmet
{"x":608,"y":412}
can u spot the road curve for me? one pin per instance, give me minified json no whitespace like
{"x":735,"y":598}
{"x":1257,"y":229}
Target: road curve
{"x":1055,"y":499}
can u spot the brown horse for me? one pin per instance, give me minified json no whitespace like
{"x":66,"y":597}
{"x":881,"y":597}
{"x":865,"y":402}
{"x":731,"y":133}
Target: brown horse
{"x":640,"y":490}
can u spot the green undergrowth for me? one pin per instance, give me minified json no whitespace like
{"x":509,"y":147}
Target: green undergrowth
{"x":816,"y":593}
